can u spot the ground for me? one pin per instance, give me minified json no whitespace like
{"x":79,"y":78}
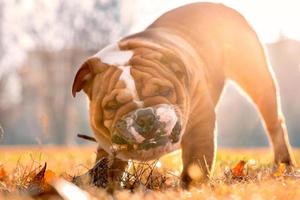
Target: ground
{"x":239,"y":174}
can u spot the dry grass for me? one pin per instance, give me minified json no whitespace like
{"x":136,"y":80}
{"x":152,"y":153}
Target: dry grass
{"x":157,"y":180}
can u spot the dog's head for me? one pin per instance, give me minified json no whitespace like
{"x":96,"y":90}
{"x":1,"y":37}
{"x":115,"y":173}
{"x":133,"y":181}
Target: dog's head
{"x":137,"y":98}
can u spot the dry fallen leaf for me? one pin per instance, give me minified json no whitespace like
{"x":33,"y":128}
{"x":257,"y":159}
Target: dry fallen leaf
{"x":238,"y":170}
{"x":39,"y":176}
{"x":36,"y":185}
{"x":3,"y":173}
{"x":280,"y":170}
{"x":40,"y":184}
{"x":49,"y":176}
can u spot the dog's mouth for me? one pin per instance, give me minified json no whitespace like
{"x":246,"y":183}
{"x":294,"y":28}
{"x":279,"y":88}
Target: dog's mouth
{"x":147,"y":128}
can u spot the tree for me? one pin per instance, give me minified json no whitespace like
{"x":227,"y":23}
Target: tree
{"x":59,"y":35}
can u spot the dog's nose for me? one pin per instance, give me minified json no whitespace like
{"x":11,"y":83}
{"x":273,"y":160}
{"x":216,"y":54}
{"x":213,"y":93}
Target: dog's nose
{"x":147,"y":127}
{"x":145,"y":121}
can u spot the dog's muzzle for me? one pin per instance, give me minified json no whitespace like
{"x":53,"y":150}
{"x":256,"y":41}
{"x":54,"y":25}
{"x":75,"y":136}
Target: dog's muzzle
{"x":147,"y":128}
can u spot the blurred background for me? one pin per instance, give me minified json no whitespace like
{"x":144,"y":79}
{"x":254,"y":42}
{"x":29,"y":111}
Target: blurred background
{"x":43,"y":42}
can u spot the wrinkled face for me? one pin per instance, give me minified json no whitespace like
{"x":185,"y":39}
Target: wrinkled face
{"x":134,"y":100}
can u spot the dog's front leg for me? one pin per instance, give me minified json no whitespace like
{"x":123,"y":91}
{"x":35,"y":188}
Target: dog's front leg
{"x":116,"y":167}
{"x":198,"y":150}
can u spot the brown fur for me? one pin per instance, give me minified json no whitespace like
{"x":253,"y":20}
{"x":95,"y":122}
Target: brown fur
{"x":194,"y":49}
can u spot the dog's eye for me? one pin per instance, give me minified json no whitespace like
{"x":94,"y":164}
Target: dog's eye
{"x":112,"y":105}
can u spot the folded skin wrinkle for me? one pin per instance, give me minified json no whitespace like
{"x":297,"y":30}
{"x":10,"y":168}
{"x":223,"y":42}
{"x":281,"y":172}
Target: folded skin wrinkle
{"x":112,"y":55}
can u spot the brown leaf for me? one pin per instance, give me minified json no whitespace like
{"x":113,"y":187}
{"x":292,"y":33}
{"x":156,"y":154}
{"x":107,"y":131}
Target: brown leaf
{"x":3,"y":173}
{"x":39,"y":177}
{"x":38,"y":185}
{"x":238,"y":170}
{"x":49,"y":176}
{"x":280,"y":170}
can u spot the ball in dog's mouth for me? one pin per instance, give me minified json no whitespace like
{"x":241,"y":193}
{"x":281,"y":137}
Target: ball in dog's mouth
{"x":147,"y":128}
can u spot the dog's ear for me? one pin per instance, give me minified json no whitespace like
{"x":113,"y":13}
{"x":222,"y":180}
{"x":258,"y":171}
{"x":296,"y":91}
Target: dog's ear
{"x":86,"y":73}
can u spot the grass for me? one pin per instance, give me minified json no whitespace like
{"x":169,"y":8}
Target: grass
{"x":260,"y":181}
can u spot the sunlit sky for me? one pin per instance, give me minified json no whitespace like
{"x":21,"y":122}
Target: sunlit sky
{"x":269,"y":18}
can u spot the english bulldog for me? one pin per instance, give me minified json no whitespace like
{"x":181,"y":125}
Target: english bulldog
{"x":156,"y":91}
